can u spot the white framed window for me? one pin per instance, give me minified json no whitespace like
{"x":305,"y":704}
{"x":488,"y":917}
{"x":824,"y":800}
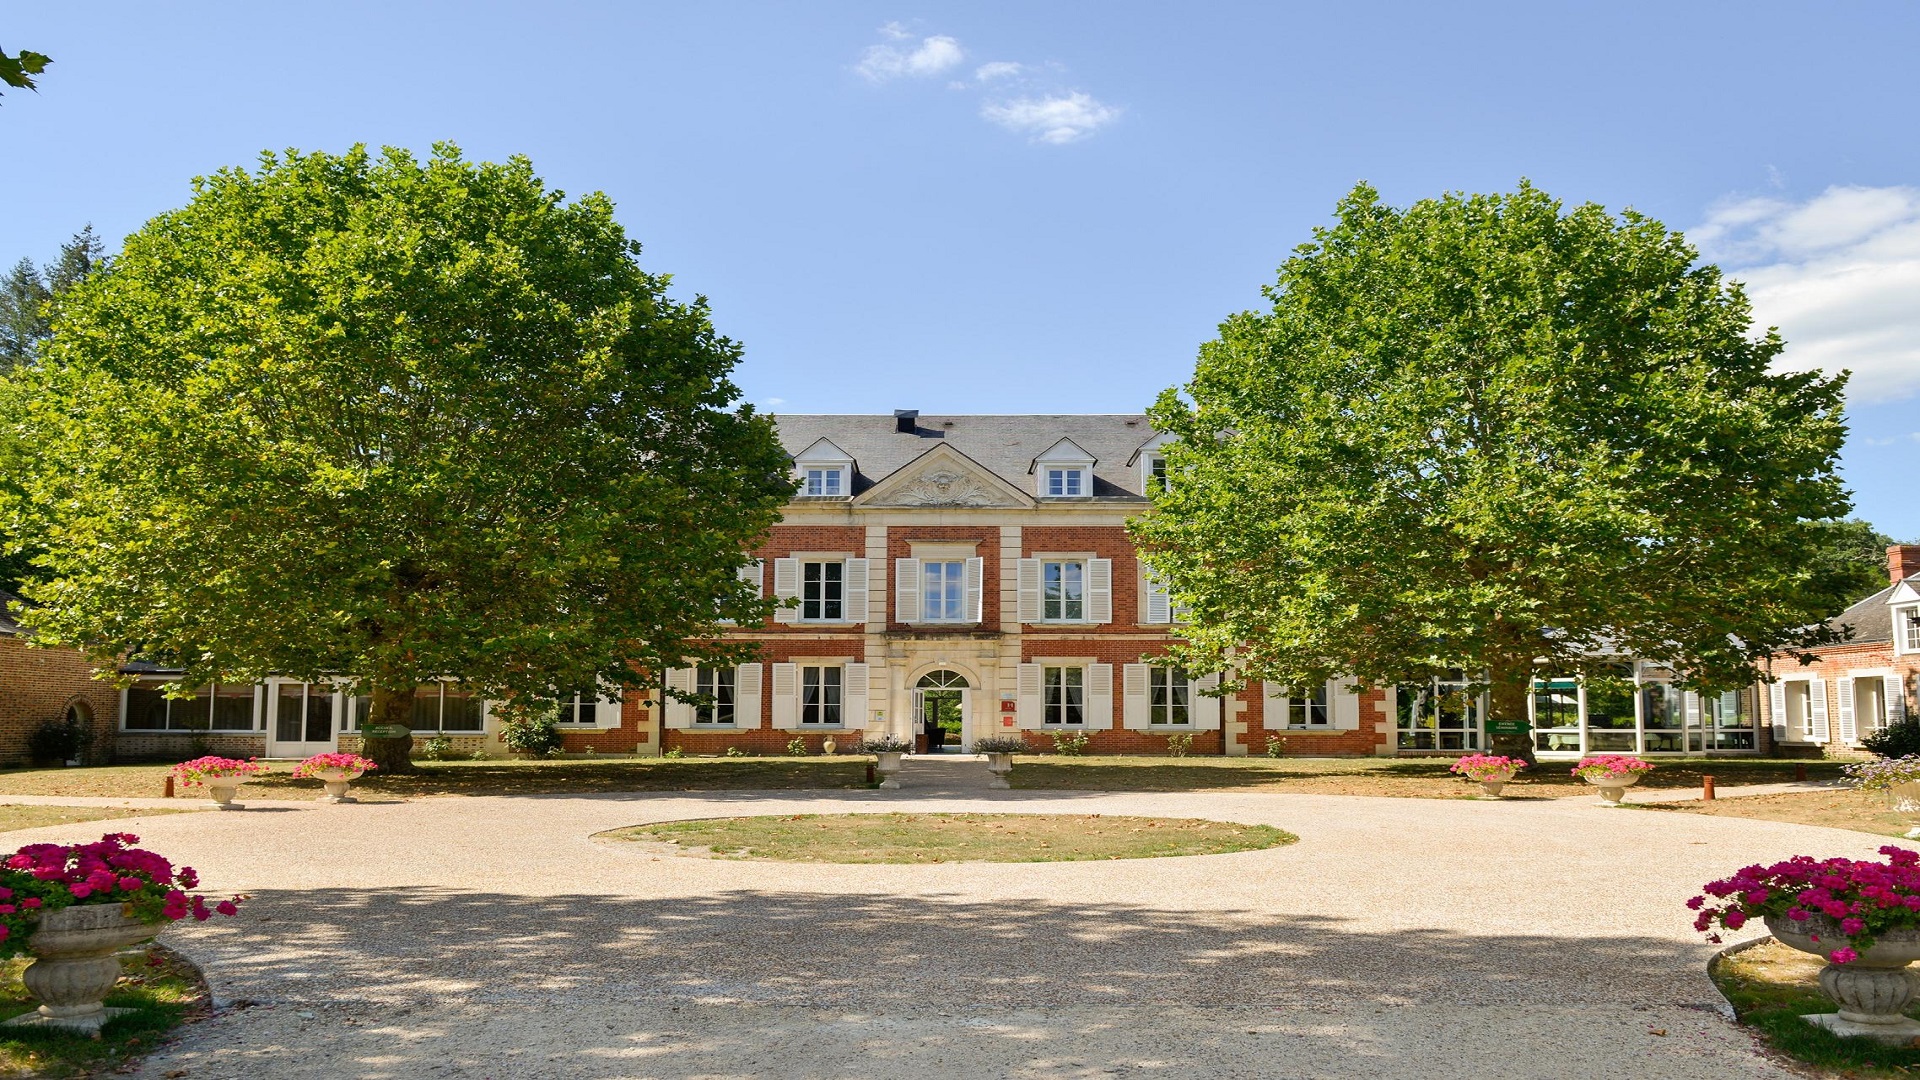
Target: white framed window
{"x":823,"y":596}
{"x":225,"y":707}
{"x":446,"y":708}
{"x":821,"y":695}
{"x":1065,"y":701}
{"x":718,"y":684}
{"x":1169,"y":697}
{"x":943,"y":590}
{"x":1439,"y":715}
{"x":1066,"y":483}
{"x":1906,"y":629}
{"x":1063,"y":590}
{"x":825,"y":482}
{"x":1156,"y":472}
{"x":1297,"y":710}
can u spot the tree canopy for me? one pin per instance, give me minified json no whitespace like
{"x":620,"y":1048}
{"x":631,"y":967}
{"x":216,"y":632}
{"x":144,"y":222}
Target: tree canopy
{"x":1481,"y":433}
{"x":20,"y":68}
{"x":391,"y":421}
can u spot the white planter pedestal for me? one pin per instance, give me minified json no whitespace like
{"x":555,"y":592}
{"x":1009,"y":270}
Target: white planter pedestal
{"x":889,"y":769}
{"x":1492,"y":788}
{"x":74,"y":965}
{"x":221,"y":790}
{"x":335,"y":782}
{"x":1873,"y":992}
{"x":999,"y":765}
{"x":1906,"y":800}
{"x":1613,"y":789}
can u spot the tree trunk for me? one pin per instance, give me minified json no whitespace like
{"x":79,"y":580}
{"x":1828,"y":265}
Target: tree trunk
{"x":1510,"y":681}
{"x":390,"y":707}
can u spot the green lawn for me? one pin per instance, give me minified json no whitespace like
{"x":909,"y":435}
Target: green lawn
{"x":161,"y":987}
{"x":1772,"y":986}
{"x":32,"y":817}
{"x":933,"y":838}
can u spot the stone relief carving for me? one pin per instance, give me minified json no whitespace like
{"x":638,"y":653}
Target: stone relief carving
{"x":946,"y":488}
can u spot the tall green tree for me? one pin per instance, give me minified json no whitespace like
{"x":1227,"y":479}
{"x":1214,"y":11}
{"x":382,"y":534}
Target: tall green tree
{"x":1482,"y":434}
{"x":28,"y":292}
{"x":392,"y":421}
{"x":1854,"y":556}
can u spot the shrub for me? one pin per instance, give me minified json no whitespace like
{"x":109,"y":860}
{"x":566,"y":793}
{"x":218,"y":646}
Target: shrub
{"x":534,"y":734}
{"x":1070,"y":743}
{"x":1000,"y":744}
{"x":438,"y":748}
{"x":1276,"y":746}
{"x":674,"y":754}
{"x":1895,"y":740}
{"x":1884,"y":774}
{"x":1179,"y":745}
{"x":57,"y":741}
{"x":797,"y":746}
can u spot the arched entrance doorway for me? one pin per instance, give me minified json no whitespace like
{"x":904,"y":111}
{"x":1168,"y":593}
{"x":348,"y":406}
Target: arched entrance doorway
{"x":939,"y":711}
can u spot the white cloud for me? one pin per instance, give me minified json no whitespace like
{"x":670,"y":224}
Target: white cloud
{"x":1839,"y":274}
{"x":881,"y":63}
{"x":997,"y":69}
{"x":1057,"y":118}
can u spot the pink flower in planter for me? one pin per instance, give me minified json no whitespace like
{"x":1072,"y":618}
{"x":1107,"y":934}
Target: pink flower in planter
{"x":1843,"y":955}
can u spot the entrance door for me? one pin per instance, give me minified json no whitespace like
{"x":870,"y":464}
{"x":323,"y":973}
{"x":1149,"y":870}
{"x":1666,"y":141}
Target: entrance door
{"x":940,"y":709}
{"x":300,"y":720}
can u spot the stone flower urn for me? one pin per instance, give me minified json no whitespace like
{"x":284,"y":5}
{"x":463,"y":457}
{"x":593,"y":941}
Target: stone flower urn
{"x":335,"y":782}
{"x":889,"y":767}
{"x":999,"y":765}
{"x":1873,"y":992}
{"x":1492,"y":787}
{"x":74,"y":965}
{"x":1613,"y":788}
{"x":221,"y":790}
{"x":1905,"y":799}
{"x":828,"y":746}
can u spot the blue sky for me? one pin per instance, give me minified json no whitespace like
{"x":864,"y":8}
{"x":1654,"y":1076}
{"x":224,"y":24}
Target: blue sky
{"x":1016,"y":207}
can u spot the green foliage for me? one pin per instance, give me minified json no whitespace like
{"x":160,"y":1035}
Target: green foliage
{"x":1853,"y":556}
{"x":438,"y":748}
{"x":1000,"y":744}
{"x":734,"y":751}
{"x":19,"y":69}
{"x":1179,"y":745}
{"x":1480,"y":430}
{"x":1276,"y":746}
{"x":797,"y":746}
{"x":28,"y":292}
{"x":532,"y":733}
{"x":675,"y":754}
{"x":1895,"y":740}
{"x":392,"y":420}
{"x":1069,"y":743}
{"x":885,"y":744}
{"x":59,"y":740}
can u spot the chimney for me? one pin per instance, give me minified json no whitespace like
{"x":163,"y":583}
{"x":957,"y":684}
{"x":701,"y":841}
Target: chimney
{"x":907,"y":421}
{"x":1903,"y":562}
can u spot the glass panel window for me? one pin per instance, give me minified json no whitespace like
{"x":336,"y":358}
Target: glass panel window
{"x":943,"y":591}
{"x":426,"y":708}
{"x":289,"y":717}
{"x":460,"y":710}
{"x":823,"y":591}
{"x":819,"y":695}
{"x":716,"y":683}
{"x":233,"y":708}
{"x":359,"y":706}
{"x":1908,"y":620}
{"x":1065,"y":696}
{"x":1063,"y":595}
{"x":1437,"y":715}
{"x":1066,"y":483}
{"x":1310,"y":710}
{"x":825,"y":482}
{"x":1556,"y":713}
{"x":1663,"y":717}
{"x":146,"y":708}
{"x":1169,"y":696}
{"x":1799,"y":718}
{"x":578,"y":708}
{"x":1610,"y":714}
{"x":1156,"y":474}
{"x":1729,"y":721}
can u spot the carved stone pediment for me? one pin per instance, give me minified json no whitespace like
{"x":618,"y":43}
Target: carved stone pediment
{"x":944,"y":477}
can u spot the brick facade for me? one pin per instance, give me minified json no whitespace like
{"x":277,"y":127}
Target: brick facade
{"x":37,"y":685}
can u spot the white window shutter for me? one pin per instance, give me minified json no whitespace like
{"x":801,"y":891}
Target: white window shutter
{"x":679,"y":714}
{"x":1896,"y":695}
{"x":754,"y":573}
{"x":906,"y":590}
{"x":853,"y":696}
{"x":1847,"y":730}
{"x":1029,"y":697}
{"x":1777,"y":707}
{"x":856,"y":606}
{"x":1136,"y":702}
{"x":1205,"y":711}
{"x":746,"y":697}
{"x":1817,"y":707}
{"x":1100,"y":696}
{"x":1344,"y":704}
{"x":1156,"y":605}
{"x":976,"y":587}
{"x":606,"y":710}
{"x":786,"y":586}
{"x":786,"y":696}
{"x":1100,"y":591}
{"x":1029,"y":590}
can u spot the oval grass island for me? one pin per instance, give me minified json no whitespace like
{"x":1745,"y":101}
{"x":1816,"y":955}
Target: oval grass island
{"x":942,"y":838}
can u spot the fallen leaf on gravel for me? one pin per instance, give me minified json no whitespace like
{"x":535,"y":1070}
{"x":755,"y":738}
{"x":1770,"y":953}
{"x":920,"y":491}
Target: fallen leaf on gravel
{"x":1656,"y":1031}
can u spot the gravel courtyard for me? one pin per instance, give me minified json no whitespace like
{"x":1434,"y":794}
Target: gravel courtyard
{"x":494,"y":937}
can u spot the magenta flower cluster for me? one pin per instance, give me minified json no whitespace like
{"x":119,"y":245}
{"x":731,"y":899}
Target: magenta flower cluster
{"x":354,"y":764}
{"x":1860,"y":898}
{"x":1611,"y":767}
{"x":1485,"y":767}
{"x":47,"y":877}
{"x":201,"y":769}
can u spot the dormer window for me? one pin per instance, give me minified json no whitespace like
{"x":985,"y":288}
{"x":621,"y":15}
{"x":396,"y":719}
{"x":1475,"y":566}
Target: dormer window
{"x":1156,"y":472}
{"x":1063,"y":471}
{"x":828,"y":481}
{"x":1906,"y":622}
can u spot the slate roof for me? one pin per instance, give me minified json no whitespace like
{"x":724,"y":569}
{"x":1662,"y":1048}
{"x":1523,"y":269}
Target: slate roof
{"x":1871,"y":619}
{"x":8,"y":628}
{"x":1005,"y":445}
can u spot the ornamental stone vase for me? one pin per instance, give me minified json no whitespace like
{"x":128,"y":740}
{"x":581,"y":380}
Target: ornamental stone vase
{"x":1613,"y":788}
{"x":74,"y":965}
{"x":335,"y":781}
{"x":999,"y":765}
{"x":889,"y":766}
{"x":1492,"y":787}
{"x":1873,"y":992}
{"x":1905,"y":799}
{"x":221,"y":790}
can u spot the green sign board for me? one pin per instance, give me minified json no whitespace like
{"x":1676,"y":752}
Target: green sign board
{"x":385,"y":731}
{"x":1508,"y":727}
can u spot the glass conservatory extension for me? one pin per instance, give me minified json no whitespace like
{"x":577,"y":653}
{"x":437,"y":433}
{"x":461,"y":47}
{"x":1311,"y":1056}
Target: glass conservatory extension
{"x":1636,"y":711}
